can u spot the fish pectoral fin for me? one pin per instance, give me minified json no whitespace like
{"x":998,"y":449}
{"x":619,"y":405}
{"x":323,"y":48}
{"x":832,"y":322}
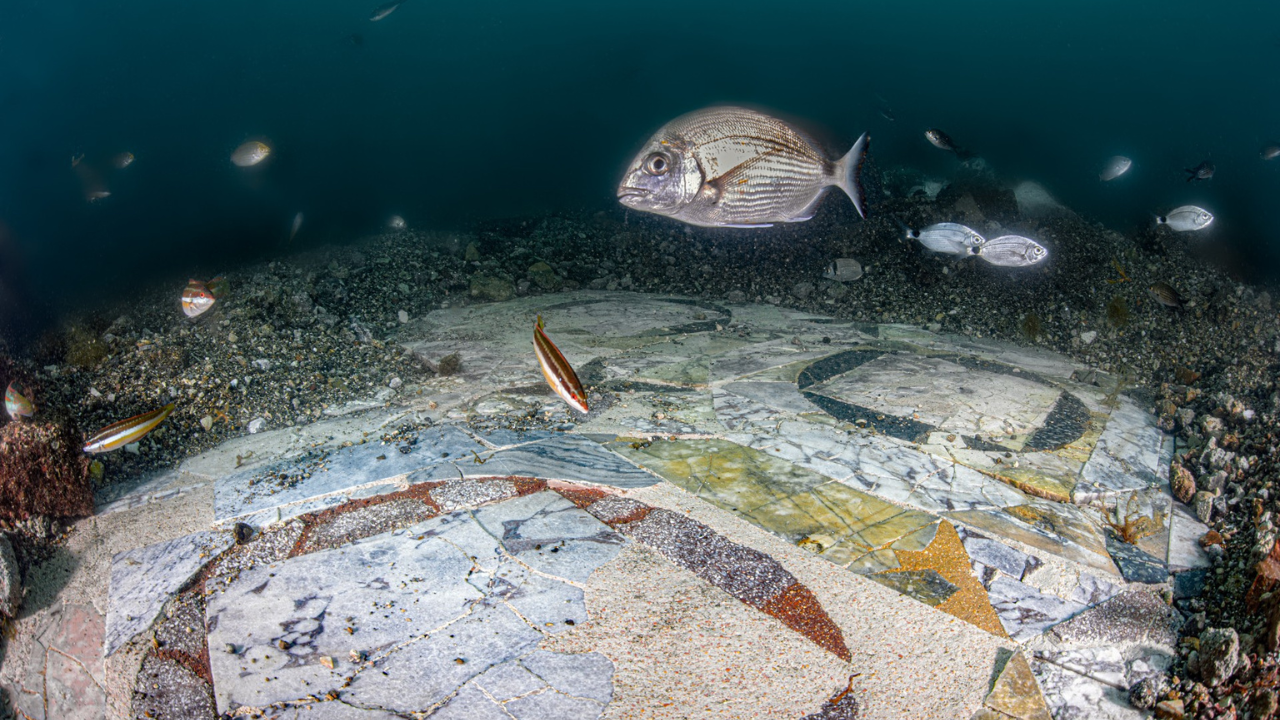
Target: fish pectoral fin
{"x":736,"y":176}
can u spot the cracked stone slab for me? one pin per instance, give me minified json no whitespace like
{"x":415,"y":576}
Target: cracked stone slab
{"x":143,"y":580}
{"x":569,"y":458}
{"x":432,"y":607}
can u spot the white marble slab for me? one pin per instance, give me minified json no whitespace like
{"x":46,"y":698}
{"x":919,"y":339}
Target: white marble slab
{"x":567,"y":457}
{"x":1129,"y":455}
{"x":1025,"y":611}
{"x":1185,"y":532}
{"x":1072,"y":696}
{"x":144,"y":579}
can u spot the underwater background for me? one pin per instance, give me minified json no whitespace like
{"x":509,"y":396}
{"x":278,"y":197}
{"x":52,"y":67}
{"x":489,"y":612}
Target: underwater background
{"x":448,"y":113}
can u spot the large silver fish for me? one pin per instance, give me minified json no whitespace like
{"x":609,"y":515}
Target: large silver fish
{"x":1012,"y":251}
{"x":733,"y":167}
{"x":951,"y":238}
{"x":1114,"y":168}
{"x":1186,"y":218}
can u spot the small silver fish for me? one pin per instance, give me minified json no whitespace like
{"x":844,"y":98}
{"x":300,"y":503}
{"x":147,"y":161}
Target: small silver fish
{"x":1012,"y":251}
{"x":1270,"y":152}
{"x":397,"y":223}
{"x":250,"y":153}
{"x":297,"y":225}
{"x":734,"y":167}
{"x":1203,"y":171}
{"x":1114,"y":168}
{"x":1186,"y":218}
{"x":843,"y":270}
{"x":122,"y":161}
{"x":385,"y":9}
{"x":950,"y":238}
{"x":1165,"y":295}
{"x":943,"y":141}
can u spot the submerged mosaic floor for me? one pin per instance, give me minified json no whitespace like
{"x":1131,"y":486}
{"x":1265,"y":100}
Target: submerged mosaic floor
{"x":452,"y":537}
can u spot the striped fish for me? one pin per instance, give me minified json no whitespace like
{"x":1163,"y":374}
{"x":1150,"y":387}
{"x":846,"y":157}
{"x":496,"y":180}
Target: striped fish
{"x":1165,"y":295}
{"x":733,"y":167}
{"x":196,"y":299}
{"x":17,"y":404}
{"x":122,"y":433}
{"x":559,"y":374}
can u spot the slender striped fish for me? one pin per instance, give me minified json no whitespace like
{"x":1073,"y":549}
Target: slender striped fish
{"x":17,"y":404}
{"x":122,"y":433}
{"x":559,"y":374}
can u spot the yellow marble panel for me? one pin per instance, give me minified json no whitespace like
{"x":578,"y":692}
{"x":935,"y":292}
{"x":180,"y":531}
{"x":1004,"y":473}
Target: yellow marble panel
{"x":1016,"y":692}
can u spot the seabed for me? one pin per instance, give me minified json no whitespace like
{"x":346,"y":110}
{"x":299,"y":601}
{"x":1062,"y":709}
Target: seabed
{"x":768,"y":514}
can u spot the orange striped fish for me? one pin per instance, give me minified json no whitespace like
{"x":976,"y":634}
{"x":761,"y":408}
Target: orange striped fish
{"x":16,"y":404}
{"x":559,"y":374}
{"x":196,"y":299}
{"x":127,"y":431}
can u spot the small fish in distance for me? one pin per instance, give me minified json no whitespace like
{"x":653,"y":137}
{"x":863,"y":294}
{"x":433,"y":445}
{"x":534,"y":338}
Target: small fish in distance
{"x":397,"y":223}
{"x":734,"y":167}
{"x":295,"y":227}
{"x":250,"y":153}
{"x":1203,"y":171}
{"x":1270,"y":152}
{"x":1165,"y":295}
{"x":385,"y":9}
{"x":1187,"y":218}
{"x":127,"y":431}
{"x":1012,"y":251}
{"x":196,"y":299}
{"x":17,"y":404}
{"x":1114,"y":168}
{"x":122,"y":161}
{"x":943,"y":141}
{"x":557,"y":370}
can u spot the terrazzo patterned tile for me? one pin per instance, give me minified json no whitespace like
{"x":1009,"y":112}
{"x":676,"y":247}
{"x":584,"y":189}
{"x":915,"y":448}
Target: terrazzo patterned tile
{"x":432,"y":608}
{"x":143,"y":580}
{"x":946,"y":556}
{"x":338,"y":470}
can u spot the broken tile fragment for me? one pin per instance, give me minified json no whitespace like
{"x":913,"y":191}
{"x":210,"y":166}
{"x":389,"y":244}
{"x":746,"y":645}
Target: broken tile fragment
{"x":1136,"y":565}
{"x":1016,"y":692}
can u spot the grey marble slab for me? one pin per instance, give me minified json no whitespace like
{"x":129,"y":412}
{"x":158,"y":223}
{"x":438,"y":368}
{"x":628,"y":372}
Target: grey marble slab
{"x":997,"y":555}
{"x":336,"y":471}
{"x":1185,"y":532}
{"x":1091,"y":591}
{"x":1127,"y":456}
{"x":571,"y":458}
{"x":1105,"y":664}
{"x":144,"y":579}
{"x":1025,"y":611}
{"x":782,"y":396}
{"x":434,"y":606}
{"x":1072,"y":696}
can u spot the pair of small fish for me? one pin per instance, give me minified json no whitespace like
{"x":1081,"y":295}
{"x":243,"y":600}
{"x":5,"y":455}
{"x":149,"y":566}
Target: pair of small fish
{"x":957,"y":239}
{"x":198,"y":297}
{"x":1187,"y":218}
{"x":113,"y":436}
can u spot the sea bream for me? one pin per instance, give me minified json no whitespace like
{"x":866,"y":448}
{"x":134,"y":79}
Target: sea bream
{"x":950,"y":238}
{"x":1114,"y":168}
{"x":1187,"y":218}
{"x":943,"y":141}
{"x":1012,"y":251}
{"x":1270,"y":152}
{"x":1203,"y":171}
{"x":734,"y":167}
{"x":250,"y":153}
{"x":385,"y":9}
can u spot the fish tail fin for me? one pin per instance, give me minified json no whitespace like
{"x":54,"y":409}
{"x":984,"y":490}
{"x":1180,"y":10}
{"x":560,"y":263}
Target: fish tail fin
{"x":848,"y":173}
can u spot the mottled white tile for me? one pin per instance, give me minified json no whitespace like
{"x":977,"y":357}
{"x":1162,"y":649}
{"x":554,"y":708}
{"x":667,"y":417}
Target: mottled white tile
{"x":1072,"y":696}
{"x":1127,"y":456}
{"x":1025,"y":611}
{"x":1185,"y":532}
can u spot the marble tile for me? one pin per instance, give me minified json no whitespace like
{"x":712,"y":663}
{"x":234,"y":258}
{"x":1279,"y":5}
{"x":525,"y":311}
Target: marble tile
{"x":994,"y":554}
{"x":1072,"y":696}
{"x":782,"y":396}
{"x":143,"y":580}
{"x":570,"y":458}
{"x":927,"y":586}
{"x":336,"y":471}
{"x":1127,"y":456}
{"x":129,"y":495}
{"x":1059,"y":529}
{"x":1090,"y":590}
{"x":1185,"y":532}
{"x":434,"y":606}
{"x":1105,"y":664}
{"x":1135,"y":565}
{"x":1027,"y":612}
{"x":1015,"y":692}
{"x":760,"y":357}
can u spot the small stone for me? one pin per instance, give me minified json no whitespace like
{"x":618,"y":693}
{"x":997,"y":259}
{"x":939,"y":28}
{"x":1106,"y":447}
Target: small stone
{"x":492,"y":289}
{"x":327,"y":661}
{"x":10,"y":580}
{"x":449,"y":364}
{"x":1213,"y":537}
{"x":736,"y":296}
{"x":1212,"y":426}
{"x":1170,"y":710}
{"x":230,"y":649}
{"x":232,"y":337}
{"x":403,"y":317}
{"x":1264,"y":704}
{"x":262,"y":364}
{"x":358,"y":656}
{"x":472,"y":253}
{"x":1087,"y":337}
{"x":1202,"y":503}
{"x":206,"y":422}
{"x":395,"y":383}
{"x":1219,"y":655}
{"x":802,"y":290}
{"x":1182,"y":482}
{"x":1146,"y":692}
{"x":256,"y":425}
{"x":133,"y":448}
{"x":97,"y":470}
{"x":243,"y":532}
{"x":544,"y":277}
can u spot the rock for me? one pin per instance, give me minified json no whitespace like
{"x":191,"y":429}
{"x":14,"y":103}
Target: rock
{"x":1170,"y":709}
{"x":262,"y":364}
{"x":1219,"y":655}
{"x":1212,"y":426}
{"x":802,"y":290}
{"x":10,"y":580}
{"x":206,"y":422}
{"x":1034,"y":201}
{"x":256,"y":425}
{"x":1182,"y":482}
{"x":394,"y":383}
{"x":243,"y":531}
{"x":844,"y":270}
{"x":472,"y":253}
{"x":491,"y":289}
{"x":736,"y":296}
{"x":449,"y":364}
{"x":1186,"y":416}
{"x":1214,"y":482}
{"x":1264,"y":704}
{"x":43,"y":472}
{"x":1146,"y":692}
{"x":544,"y":277}
{"x":1202,"y":503}
{"x":403,"y":317}
{"x":1087,"y":337}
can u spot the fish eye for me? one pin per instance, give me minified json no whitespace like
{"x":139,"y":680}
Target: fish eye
{"x":657,"y":164}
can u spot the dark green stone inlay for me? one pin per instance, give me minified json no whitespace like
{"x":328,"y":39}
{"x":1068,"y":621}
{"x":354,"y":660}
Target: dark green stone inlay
{"x":1065,"y":423}
{"x":927,"y":586}
{"x":891,"y":425}
{"x":833,"y":365}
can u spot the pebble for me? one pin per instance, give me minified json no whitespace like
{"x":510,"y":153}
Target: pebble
{"x":133,"y":448}
{"x":403,"y":317}
{"x":395,"y":383}
{"x":256,"y":425}
{"x":1087,"y":337}
{"x":262,"y":364}
{"x":206,"y":422}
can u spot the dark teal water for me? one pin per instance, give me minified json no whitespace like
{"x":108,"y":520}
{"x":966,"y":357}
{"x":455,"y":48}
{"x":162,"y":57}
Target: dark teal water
{"x":451,"y":112}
